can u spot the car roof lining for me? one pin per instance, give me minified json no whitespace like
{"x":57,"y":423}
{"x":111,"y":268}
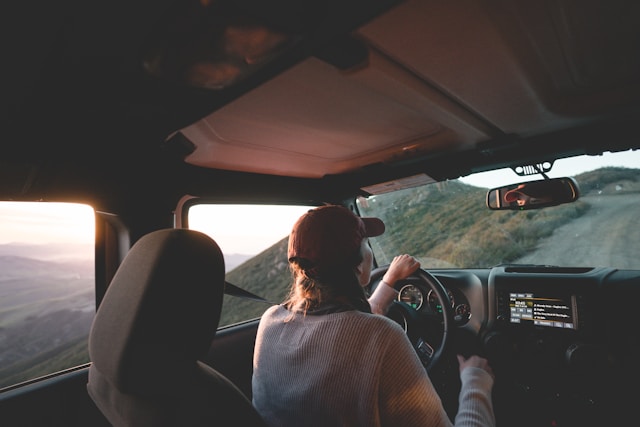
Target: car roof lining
{"x":405,"y":106}
{"x":447,"y":89}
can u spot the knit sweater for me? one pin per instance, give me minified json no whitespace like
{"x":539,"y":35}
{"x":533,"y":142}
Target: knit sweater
{"x":351,"y":368}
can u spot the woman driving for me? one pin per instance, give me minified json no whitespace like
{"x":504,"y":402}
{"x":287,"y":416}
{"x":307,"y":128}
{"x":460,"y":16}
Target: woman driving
{"x":328,"y":356}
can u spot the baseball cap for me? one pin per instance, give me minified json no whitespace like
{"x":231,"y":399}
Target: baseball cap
{"x":329,"y":235}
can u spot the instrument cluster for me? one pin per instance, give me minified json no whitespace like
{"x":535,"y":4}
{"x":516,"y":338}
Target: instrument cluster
{"x":426,"y":300}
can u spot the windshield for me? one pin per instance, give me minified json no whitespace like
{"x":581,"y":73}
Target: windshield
{"x":448,"y":224}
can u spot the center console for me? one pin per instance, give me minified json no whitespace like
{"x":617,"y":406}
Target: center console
{"x":540,"y":337}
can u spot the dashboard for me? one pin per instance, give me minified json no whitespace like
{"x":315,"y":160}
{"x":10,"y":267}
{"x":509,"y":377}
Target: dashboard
{"x":563,"y":342}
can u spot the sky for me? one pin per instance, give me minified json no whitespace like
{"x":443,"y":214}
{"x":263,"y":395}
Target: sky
{"x":45,"y":222}
{"x":253,"y":231}
{"x":239,"y":230}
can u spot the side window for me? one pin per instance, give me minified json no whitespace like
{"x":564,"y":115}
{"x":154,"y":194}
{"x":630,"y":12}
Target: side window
{"x":253,"y":239}
{"x":47,"y":288}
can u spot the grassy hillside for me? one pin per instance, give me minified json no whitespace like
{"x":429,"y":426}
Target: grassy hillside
{"x":267,"y":275}
{"x":431,"y":227}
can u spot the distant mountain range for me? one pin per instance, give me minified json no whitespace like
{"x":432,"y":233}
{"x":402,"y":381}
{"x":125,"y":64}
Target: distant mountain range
{"x":46,"y":309}
{"x":49,"y":251}
{"x":67,"y":252}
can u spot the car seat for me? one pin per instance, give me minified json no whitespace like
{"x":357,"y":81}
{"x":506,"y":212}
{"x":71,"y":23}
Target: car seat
{"x":157,"y":319}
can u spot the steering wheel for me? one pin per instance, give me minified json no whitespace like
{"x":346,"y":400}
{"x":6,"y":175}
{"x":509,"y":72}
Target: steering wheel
{"x":409,"y":318}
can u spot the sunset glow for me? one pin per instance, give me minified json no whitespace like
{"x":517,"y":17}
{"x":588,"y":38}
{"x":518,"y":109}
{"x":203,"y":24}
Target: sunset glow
{"x":45,"y":222}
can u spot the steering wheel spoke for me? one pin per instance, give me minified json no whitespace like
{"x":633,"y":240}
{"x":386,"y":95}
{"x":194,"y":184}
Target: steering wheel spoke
{"x":429,"y":347}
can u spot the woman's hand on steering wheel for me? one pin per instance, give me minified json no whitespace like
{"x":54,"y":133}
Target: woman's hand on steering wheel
{"x":401,"y":267}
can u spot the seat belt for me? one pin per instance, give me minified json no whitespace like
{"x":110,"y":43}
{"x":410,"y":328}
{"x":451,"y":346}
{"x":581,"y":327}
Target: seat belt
{"x":233,"y":290}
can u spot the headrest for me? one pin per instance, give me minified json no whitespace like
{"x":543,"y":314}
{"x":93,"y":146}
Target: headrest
{"x":160,"y":312}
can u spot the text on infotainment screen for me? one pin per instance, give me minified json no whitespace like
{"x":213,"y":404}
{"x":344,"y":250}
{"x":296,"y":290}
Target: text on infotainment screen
{"x":555,"y":312}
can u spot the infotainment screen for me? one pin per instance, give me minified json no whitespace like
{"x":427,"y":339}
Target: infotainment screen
{"x":554,"y":312}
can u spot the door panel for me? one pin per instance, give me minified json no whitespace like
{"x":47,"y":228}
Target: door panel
{"x":61,"y":400}
{"x":231,"y":353}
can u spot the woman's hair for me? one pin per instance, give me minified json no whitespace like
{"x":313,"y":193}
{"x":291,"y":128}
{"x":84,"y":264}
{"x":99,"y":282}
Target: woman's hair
{"x":313,"y":288}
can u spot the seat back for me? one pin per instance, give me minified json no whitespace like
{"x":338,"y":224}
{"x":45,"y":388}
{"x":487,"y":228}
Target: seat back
{"x":157,"y":319}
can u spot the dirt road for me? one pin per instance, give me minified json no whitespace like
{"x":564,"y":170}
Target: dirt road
{"x":601,"y":237}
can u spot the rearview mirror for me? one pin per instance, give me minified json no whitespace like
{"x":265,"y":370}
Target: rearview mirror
{"x":533,"y":194}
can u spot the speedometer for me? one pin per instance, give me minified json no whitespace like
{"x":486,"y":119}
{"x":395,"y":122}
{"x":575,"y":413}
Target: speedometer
{"x":412,"y":295}
{"x":435,"y":303}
